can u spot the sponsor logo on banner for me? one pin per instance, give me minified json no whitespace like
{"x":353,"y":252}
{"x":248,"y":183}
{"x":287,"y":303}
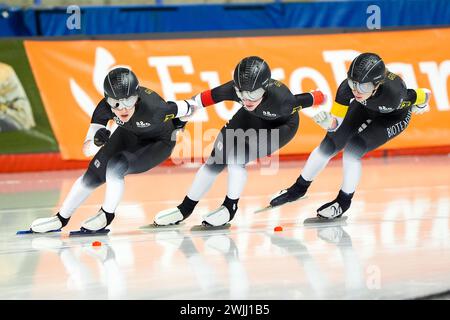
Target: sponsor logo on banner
{"x":177,"y":69}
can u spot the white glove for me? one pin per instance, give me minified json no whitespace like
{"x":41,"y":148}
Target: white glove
{"x":325,"y":120}
{"x":422,"y":108}
{"x":193,"y":106}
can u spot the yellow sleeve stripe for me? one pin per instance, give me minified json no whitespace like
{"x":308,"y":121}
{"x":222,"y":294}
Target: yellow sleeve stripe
{"x":339,"y":110}
{"x":421,"y":96}
{"x":296,"y":109}
{"x":169,"y":117}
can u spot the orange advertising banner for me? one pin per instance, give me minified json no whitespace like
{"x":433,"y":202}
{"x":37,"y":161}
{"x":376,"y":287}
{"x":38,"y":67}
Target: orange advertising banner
{"x":70,"y":76}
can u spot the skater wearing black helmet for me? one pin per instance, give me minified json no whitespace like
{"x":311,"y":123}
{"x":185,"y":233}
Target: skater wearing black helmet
{"x":142,"y":140}
{"x":372,"y":106}
{"x":267,"y":121}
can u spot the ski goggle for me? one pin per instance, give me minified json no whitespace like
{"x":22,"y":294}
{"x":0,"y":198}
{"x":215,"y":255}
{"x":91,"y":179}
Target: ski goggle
{"x":366,"y":87}
{"x":126,"y":103}
{"x":250,"y":95}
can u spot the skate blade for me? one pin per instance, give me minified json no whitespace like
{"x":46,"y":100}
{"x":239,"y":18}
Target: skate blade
{"x":22,"y":232}
{"x":85,"y":232}
{"x":154,"y":226}
{"x":269,"y":207}
{"x":205,"y":227}
{"x":324,"y":222}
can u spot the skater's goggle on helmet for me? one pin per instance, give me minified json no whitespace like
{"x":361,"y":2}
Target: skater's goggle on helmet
{"x":366,"y":87}
{"x":250,"y":95}
{"x":126,"y":103}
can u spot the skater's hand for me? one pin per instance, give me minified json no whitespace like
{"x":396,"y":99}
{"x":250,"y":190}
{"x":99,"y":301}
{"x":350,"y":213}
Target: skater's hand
{"x":181,"y":109}
{"x":325,"y":120}
{"x":423,"y":98}
{"x":178,"y":123}
{"x":193,"y":107}
{"x":101,"y":137}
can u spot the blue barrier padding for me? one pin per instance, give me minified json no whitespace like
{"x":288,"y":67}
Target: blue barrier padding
{"x":189,"y":18}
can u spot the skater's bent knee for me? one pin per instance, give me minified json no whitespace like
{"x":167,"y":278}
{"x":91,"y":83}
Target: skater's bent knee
{"x":356,"y":147}
{"x":92,"y":180}
{"x":117,"y":167}
{"x":214,"y":167}
{"x":329,"y":147}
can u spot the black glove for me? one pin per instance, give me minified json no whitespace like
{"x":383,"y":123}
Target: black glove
{"x":101,"y":137}
{"x":178,"y":124}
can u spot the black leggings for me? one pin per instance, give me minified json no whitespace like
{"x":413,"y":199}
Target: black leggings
{"x":246,"y":138}
{"x":362,"y":131}
{"x":126,"y":153}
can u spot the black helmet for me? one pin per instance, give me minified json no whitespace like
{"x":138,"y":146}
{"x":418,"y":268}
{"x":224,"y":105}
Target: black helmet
{"x":251,"y":73}
{"x":120,"y":83}
{"x":367,"y":67}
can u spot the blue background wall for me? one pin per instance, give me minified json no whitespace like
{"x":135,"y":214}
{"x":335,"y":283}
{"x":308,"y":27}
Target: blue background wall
{"x":145,"y":19}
